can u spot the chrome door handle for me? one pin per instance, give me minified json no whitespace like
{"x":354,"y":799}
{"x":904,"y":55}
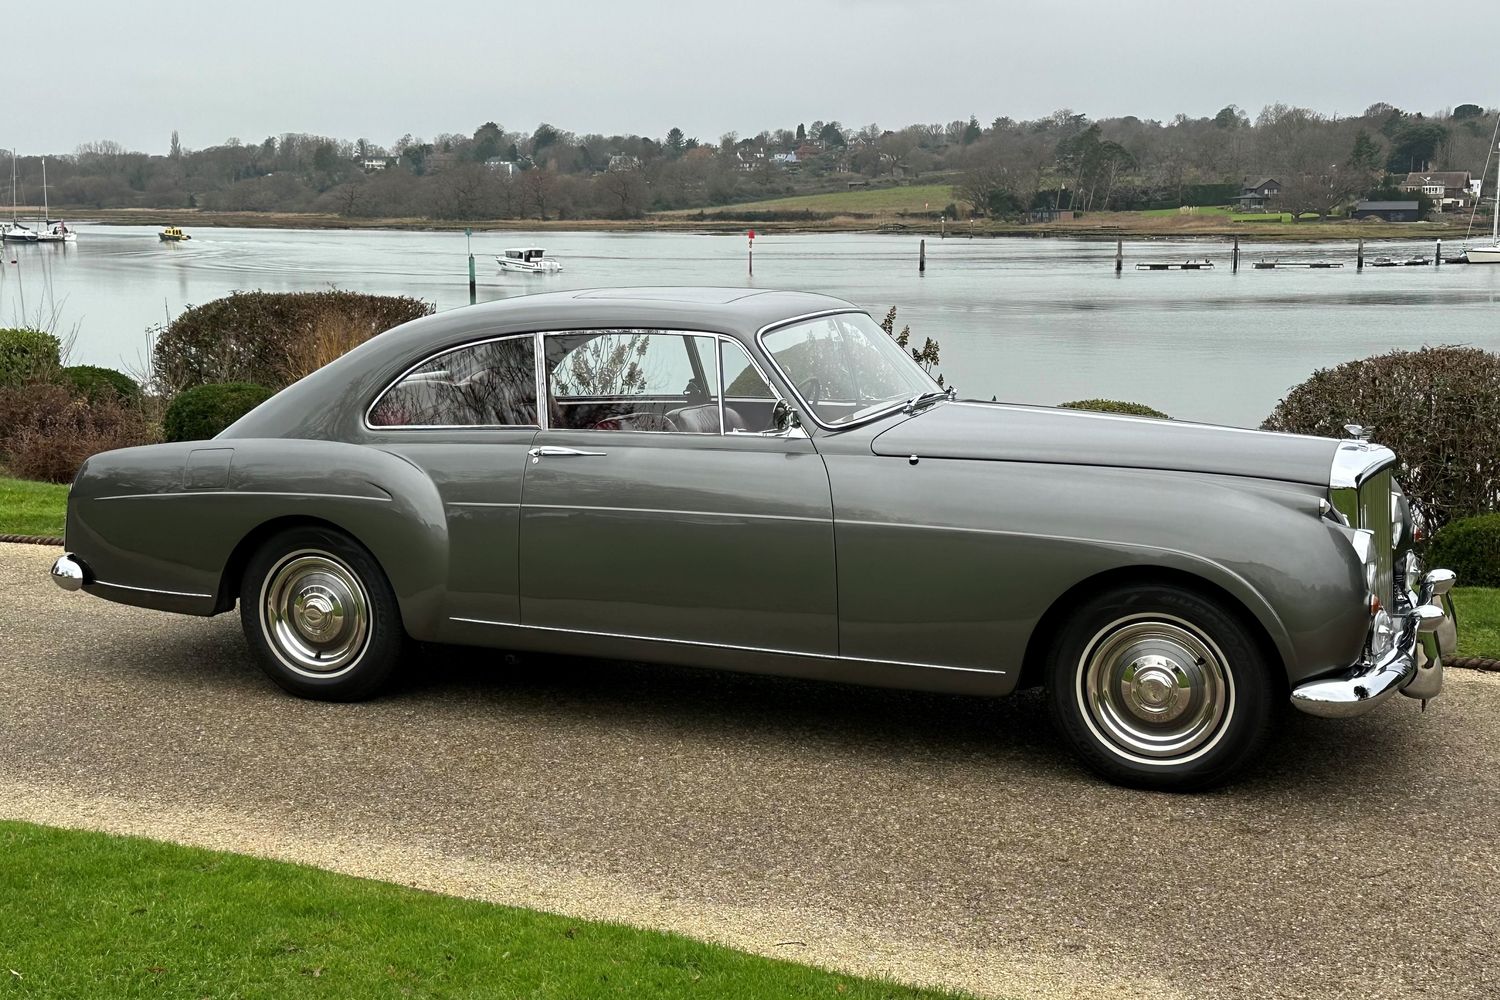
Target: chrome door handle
{"x":552,"y":451}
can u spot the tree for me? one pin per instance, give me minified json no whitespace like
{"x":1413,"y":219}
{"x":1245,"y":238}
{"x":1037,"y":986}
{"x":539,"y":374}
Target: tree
{"x":801,"y":133}
{"x":1230,"y":117}
{"x":831,"y":134}
{"x":1467,"y":111}
{"x":972,"y":131}
{"x":624,"y":191}
{"x":980,"y":184}
{"x":176,"y":152}
{"x":675,"y":143}
{"x":1414,"y":145}
{"x":489,"y":140}
{"x":544,"y":136}
{"x":538,"y":188}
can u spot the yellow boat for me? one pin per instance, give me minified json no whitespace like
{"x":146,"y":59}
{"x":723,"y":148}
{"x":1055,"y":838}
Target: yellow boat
{"x":173,"y":235}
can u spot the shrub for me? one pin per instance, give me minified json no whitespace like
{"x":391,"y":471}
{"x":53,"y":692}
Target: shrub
{"x":94,"y":383}
{"x":48,"y":431}
{"x":28,"y":355}
{"x":198,"y":413}
{"x":1115,"y":406}
{"x":257,"y":336}
{"x":1469,"y":546}
{"x":1438,"y":409}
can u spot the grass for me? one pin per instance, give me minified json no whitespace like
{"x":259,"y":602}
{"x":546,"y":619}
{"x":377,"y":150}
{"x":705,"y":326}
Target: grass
{"x":1478,"y":621}
{"x":88,"y":914}
{"x":28,"y":508}
{"x":861,"y":201}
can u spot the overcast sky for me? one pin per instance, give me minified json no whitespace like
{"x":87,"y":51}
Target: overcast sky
{"x":133,"y":72}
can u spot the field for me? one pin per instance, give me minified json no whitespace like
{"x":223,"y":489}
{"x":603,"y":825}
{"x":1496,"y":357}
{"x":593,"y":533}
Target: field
{"x":915,"y":200}
{"x":28,"y":508}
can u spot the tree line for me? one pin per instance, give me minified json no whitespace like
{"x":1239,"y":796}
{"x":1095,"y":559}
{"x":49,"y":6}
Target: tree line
{"x":1003,"y":169}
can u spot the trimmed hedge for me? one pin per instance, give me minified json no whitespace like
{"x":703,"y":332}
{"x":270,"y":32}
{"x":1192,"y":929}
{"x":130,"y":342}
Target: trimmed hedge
{"x":1115,"y":406}
{"x":94,"y":383}
{"x":258,"y":337}
{"x":201,"y":412}
{"x":1437,"y":409}
{"x":1470,"y":547}
{"x":28,"y":356}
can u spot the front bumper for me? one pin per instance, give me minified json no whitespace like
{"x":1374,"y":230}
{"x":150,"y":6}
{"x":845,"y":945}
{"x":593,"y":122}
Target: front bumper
{"x":1412,"y":664}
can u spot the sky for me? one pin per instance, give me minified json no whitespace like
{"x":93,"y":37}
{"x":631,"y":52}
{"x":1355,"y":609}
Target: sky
{"x":133,"y":72}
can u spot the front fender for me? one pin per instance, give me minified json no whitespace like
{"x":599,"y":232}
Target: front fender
{"x":158,"y":526}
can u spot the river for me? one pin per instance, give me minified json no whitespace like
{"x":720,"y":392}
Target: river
{"x":1032,"y":320}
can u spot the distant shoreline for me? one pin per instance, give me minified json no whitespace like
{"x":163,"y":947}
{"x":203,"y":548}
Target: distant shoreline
{"x":1098,"y":226}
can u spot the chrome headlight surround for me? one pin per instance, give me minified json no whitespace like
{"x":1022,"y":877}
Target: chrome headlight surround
{"x":1363,"y":541}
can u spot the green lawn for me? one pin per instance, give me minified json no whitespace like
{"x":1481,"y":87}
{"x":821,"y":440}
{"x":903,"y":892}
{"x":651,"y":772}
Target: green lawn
{"x":92,"y":915}
{"x":1478,"y":611}
{"x":863,"y":201}
{"x":1200,"y":210}
{"x":28,"y":508}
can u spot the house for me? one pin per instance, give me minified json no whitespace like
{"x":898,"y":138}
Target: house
{"x":808,"y":150}
{"x":502,"y":166}
{"x":439,"y":161}
{"x":1390,"y":211}
{"x":373,"y":163}
{"x":622,"y":161}
{"x":1259,"y":194}
{"x":747,"y":160}
{"x":1447,"y":188}
{"x":785,"y":159}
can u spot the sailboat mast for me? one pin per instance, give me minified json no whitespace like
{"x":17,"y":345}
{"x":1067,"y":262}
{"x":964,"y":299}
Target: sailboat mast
{"x":1495,"y":209}
{"x":46,"y":209}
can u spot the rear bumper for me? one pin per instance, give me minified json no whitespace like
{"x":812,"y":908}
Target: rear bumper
{"x":69,"y":572}
{"x":1412,"y":661}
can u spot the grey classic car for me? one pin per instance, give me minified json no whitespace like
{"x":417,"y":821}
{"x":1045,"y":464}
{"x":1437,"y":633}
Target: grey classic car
{"x":764,"y":481}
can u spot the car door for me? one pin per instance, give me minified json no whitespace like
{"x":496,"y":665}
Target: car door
{"x":653,"y":507}
{"x":466,"y":417}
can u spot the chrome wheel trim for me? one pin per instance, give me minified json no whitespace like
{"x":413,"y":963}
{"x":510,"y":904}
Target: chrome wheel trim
{"x":315,"y":614}
{"x":1155,"y":690}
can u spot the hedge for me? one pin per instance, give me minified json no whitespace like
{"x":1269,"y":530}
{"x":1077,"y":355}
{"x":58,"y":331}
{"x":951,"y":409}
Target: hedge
{"x":1470,"y":547}
{"x":199,"y":413}
{"x":1115,"y":406}
{"x":258,"y":337}
{"x":28,"y":355}
{"x":93,"y":383}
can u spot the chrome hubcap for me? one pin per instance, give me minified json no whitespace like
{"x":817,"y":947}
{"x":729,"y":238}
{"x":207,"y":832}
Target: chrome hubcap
{"x":1155,"y":688}
{"x":315,"y":613}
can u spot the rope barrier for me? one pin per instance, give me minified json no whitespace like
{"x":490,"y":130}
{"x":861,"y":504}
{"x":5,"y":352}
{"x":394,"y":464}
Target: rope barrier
{"x":31,"y":539}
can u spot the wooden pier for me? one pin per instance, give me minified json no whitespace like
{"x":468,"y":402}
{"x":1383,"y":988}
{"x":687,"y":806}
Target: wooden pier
{"x":1316,"y":265}
{"x":1187,"y":265}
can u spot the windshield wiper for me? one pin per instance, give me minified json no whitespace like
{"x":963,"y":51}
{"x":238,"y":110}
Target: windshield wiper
{"x":925,"y":399}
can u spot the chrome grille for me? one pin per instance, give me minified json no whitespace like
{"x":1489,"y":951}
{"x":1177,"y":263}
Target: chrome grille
{"x":1375,"y":516}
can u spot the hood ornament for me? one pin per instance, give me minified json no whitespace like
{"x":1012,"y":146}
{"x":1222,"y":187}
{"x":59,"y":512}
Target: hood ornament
{"x":1358,"y":431}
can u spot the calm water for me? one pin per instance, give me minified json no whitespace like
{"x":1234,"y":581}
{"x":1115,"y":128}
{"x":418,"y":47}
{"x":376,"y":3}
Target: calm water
{"x":1030,"y":320}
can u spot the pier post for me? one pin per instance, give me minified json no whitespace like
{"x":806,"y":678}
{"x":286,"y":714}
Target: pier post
{"x":1359,"y":255}
{"x":943,"y":226}
{"x":1234,"y":261}
{"x":1119,"y":255}
{"x":922,"y":257}
{"x":1437,"y":256}
{"x":750,"y":254}
{"x":468,"y":233}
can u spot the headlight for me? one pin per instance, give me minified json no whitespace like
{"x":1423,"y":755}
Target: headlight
{"x":1364,"y":546}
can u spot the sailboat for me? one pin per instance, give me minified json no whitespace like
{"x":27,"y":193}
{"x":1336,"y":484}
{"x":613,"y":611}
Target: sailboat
{"x":15,"y":232}
{"x":1489,"y":254}
{"x":54,"y":231}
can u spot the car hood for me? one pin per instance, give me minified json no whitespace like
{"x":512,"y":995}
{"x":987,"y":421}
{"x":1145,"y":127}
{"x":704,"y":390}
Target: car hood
{"x":1005,"y":432}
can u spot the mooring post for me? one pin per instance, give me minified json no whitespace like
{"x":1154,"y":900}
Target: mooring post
{"x":1437,"y":256}
{"x":1359,"y":255}
{"x":1234,"y":260}
{"x":922,"y":258}
{"x":750,"y":255}
{"x":1119,"y":255}
{"x":468,"y":233}
{"x":943,"y":226}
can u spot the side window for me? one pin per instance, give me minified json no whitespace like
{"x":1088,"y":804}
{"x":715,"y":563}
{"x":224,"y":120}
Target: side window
{"x":748,"y":400}
{"x":632,"y":380}
{"x":492,"y":384}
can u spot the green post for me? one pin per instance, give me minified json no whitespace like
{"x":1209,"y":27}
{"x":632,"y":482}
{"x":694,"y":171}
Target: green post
{"x":468,"y":234}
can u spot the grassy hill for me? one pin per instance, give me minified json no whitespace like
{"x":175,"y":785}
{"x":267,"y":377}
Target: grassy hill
{"x":860,"y":201}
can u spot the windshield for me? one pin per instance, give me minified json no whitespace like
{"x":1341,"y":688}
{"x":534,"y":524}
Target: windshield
{"x":845,"y":367}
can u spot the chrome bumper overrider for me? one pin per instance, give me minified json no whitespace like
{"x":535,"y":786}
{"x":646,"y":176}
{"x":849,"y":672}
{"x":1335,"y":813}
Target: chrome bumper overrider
{"x":69,"y":572}
{"x":1411,"y":664}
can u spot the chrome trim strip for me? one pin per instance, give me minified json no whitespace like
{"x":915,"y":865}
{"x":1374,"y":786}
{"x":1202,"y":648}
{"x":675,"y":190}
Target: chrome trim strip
{"x":478,"y":503}
{"x":541,"y":416}
{"x":729,"y":645}
{"x":682,"y":513}
{"x":240,"y":493}
{"x":148,"y":590}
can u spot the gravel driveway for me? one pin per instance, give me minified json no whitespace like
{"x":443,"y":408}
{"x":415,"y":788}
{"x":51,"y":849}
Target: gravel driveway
{"x":929,"y":838}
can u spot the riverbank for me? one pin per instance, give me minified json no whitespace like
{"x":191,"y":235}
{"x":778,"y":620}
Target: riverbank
{"x":725,"y":220}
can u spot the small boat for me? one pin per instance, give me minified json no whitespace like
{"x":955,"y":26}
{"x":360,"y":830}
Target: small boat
{"x":17,"y":233}
{"x":1487,"y":254}
{"x":530,"y":260}
{"x":1187,"y":265}
{"x":172,"y":234}
{"x":57,"y":231}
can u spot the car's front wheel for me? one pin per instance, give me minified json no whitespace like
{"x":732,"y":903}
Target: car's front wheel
{"x":1159,"y":687}
{"x":321,"y":616}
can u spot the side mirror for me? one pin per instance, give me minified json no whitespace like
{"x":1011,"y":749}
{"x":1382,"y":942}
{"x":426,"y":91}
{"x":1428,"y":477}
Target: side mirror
{"x":786,"y":421}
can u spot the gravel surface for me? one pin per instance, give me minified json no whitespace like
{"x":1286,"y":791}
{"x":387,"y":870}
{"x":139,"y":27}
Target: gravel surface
{"x":927,"y":838}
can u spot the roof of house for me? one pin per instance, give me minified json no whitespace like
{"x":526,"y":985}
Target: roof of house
{"x":1447,"y":178}
{"x":1386,"y":206}
{"x":1265,"y":182}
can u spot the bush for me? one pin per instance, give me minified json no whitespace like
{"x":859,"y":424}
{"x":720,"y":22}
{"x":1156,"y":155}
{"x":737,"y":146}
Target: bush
{"x":1470,"y":547}
{"x":94,"y":383}
{"x":199,"y":413}
{"x":27,"y":356}
{"x":260,"y":337}
{"x":1115,"y":406}
{"x":46,"y":431}
{"x":1438,"y":409}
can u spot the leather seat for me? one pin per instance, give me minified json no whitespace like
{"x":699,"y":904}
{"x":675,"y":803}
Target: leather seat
{"x":705,"y":419}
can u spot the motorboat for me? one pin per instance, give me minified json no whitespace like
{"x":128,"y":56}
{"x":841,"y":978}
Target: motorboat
{"x":528,"y":260}
{"x":172,"y":234}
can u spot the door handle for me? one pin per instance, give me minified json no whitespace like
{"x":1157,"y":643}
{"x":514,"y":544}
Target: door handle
{"x":552,"y":451}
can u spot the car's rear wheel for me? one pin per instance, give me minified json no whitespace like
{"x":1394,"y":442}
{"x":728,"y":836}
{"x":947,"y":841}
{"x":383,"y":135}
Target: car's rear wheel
{"x":1159,"y":687}
{"x":321,"y":616}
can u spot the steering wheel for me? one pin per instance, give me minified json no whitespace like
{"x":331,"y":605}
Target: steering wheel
{"x":811,"y":389}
